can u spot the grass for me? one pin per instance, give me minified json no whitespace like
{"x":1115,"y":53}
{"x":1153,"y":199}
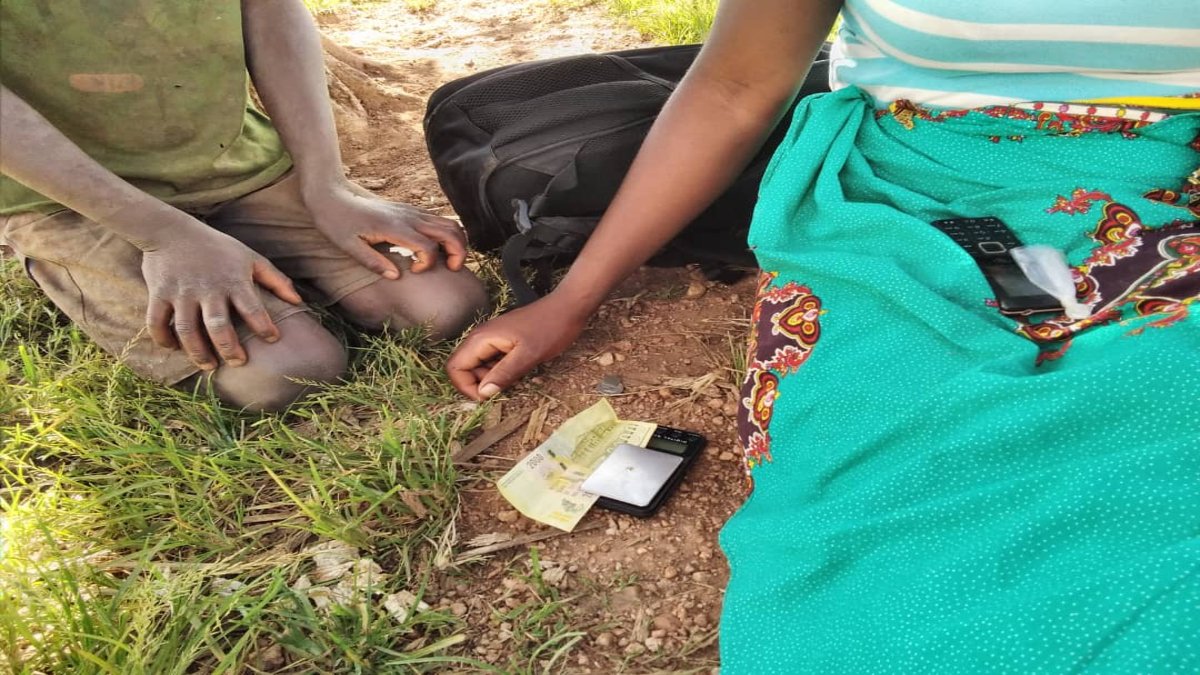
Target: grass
{"x":319,"y":6}
{"x":672,"y":22}
{"x":143,"y":530}
{"x":147,"y":531}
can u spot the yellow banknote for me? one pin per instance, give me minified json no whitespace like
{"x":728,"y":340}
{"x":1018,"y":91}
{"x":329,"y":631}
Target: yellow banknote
{"x":545,"y":484}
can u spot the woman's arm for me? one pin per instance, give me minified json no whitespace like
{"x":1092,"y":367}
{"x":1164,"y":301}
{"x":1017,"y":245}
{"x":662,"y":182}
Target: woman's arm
{"x":741,"y":84}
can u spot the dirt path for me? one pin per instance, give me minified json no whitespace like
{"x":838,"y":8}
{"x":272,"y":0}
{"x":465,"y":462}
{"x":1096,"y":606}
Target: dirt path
{"x":646,"y":594}
{"x":382,"y":140}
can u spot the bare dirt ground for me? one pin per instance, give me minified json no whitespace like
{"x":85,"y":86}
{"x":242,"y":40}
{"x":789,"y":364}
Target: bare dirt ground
{"x":647,"y":593}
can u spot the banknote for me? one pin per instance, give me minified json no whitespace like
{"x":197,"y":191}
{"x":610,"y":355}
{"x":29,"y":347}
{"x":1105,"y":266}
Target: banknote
{"x":545,"y":485}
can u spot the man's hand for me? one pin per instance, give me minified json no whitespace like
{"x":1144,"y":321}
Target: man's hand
{"x":355,"y":220}
{"x":198,"y":282}
{"x":501,"y":351}
{"x":287,"y":65}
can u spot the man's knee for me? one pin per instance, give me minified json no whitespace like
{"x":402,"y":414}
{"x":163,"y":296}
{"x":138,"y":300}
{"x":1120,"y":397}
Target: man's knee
{"x":464,"y":304}
{"x":444,"y":302}
{"x":279,"y":374}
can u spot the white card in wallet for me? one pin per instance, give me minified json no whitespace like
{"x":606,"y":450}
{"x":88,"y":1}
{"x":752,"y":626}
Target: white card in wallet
{"x":632,"y":475}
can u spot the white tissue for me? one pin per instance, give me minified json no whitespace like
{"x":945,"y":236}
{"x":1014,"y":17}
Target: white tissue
{"x":406,"y":252}
{"x":1046,"y":268}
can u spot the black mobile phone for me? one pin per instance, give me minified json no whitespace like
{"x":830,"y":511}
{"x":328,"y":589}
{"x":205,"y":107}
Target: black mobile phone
{"x":989,"y":241}
{"x":683,"y":444}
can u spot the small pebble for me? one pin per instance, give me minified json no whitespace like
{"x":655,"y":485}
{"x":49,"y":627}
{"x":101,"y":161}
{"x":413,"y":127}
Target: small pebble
{"x":665,"y":623}
{"x":510,"y":516}
{"x":611,"y":385}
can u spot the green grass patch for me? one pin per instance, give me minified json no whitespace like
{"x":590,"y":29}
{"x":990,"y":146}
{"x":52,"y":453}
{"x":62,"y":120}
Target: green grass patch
{"x":319,"y":6}
{"x":143,"y":530}
{"x":673,"y":22}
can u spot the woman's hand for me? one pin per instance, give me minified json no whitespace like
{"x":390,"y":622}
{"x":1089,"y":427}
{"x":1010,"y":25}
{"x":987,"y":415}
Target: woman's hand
{"x":501,"y":351}
{"x":355,"y":220}
{"x":199,"y":280}
{"x":747,"y":74}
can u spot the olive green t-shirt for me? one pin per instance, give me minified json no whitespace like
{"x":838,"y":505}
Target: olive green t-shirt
{"x":154,"y":90}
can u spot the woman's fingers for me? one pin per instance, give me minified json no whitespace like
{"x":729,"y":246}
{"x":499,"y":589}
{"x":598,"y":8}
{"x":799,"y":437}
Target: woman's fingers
{"x":471,"y":362}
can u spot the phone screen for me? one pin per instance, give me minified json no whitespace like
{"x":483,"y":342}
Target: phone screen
{"x":1015,"y":292}
{"x":667,"y":445}
{"x":682,"y":447}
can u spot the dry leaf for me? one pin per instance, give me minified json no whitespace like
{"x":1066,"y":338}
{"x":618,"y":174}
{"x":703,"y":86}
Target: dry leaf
{"x":401,"y":605}
{"x":332,"y":559}
{"x":536,"y":421}
{"x":364,"y":575}
{"x":489,"y":539}
{"x":320,"y":596}
{"x":494,"y":416}
{"x":271,"y":658}
{"x":226,"y":587}
{"x":555,"y":577}
{"x":414,"y":504}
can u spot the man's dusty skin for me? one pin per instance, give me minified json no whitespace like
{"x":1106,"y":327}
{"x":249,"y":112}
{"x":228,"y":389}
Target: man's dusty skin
{"x":200,"y":280}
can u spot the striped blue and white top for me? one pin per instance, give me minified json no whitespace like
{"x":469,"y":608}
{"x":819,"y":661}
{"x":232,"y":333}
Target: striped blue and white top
{"x":970,"y":53}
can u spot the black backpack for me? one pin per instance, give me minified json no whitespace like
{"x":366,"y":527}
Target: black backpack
{"x":530,"y":156}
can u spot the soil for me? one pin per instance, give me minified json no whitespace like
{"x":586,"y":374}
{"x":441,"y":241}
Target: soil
{"x":647,"y":592}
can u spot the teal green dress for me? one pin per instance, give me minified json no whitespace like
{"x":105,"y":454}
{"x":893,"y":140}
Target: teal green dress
{"x":939,"y":487}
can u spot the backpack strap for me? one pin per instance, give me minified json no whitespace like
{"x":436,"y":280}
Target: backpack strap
{"x":540,"y":241}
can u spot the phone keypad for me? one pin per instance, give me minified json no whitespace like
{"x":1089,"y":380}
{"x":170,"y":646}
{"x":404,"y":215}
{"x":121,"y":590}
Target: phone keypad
{"x":987,"y":238}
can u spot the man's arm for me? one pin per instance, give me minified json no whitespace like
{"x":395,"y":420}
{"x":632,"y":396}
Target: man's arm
{"x":747,"y":74}
{"x":194,"y":274}
{"x":36,"y":154}
{"x":283,"y":51}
